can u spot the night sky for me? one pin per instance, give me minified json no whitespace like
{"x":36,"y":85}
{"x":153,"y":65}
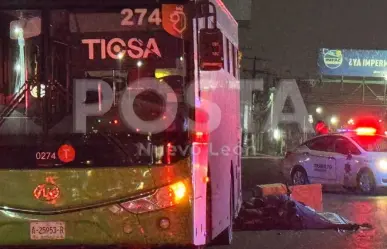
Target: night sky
{"x":289,"y":33}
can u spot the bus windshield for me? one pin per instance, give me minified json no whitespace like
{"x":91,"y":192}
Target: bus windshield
{"x":44,"y":56}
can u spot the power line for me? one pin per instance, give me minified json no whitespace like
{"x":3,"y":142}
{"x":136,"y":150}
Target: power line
{"x":256,"y":71}
{"x":256,"y":58}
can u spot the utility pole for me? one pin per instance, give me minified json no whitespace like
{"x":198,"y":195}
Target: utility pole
{"x":257,"y":136}
{"x":254,"y":71}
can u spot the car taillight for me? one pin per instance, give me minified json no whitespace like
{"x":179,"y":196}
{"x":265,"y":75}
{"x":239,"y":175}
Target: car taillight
{"x":164,"y":197}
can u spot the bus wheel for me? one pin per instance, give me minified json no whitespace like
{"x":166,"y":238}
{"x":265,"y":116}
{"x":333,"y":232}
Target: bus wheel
{"x":225,"y":238}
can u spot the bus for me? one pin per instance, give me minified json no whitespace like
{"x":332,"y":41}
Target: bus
{"x":75,"y":170}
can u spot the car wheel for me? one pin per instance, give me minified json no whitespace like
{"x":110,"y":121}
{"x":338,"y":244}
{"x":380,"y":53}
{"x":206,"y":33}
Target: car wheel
{"x":366,"y":182}
{"x":299,"y":177}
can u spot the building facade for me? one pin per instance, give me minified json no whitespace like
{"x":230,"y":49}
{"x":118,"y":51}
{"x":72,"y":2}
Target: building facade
{"x":281,"y":39}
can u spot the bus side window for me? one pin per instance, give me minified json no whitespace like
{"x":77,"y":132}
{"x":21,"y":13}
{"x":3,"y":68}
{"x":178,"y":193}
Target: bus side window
{"x":234,"y":61}
{"x":225,"y":55}
{"x":228,"y":59}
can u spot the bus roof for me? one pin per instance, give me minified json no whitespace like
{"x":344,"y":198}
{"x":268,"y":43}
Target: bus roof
{"x":226,"y":11}
{"x":38,"y":4}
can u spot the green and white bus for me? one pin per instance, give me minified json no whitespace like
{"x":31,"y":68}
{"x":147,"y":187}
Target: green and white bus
{"x":113,"y":184}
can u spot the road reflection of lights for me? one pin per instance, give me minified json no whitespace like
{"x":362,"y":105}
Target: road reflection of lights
{"x":365,"y":212}
{"x":381,"y":204}
{"x":361,"y":210}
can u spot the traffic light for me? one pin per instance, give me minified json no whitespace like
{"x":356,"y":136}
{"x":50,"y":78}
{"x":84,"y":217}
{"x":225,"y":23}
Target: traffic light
{"x":211,"y":49}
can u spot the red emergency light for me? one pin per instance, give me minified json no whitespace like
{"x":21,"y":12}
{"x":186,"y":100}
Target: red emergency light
{"x":368,"y":126}
{"x":365,"y":131}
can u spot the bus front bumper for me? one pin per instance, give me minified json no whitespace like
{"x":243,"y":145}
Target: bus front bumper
{"x":102,"y":226}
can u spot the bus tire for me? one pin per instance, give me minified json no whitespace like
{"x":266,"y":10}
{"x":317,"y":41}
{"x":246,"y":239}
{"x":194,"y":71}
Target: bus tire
{"x":225,"y":238}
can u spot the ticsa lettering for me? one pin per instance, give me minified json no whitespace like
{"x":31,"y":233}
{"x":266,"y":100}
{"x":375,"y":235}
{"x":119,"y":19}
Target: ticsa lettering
{"x":135,"y":48}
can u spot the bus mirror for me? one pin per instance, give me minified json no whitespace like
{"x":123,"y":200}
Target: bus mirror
{"x":27,"y":28}
{"x":211,"y":49}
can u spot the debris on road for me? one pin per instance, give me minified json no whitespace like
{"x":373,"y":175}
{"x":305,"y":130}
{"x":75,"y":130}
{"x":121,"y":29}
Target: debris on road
{"x":310,"y":195}
{"x":281,"y":212}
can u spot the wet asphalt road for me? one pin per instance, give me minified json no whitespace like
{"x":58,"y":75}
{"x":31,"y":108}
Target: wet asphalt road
{"x":357,"y":208}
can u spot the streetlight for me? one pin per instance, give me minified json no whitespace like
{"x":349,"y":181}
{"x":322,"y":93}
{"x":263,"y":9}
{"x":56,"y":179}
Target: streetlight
{"x":334,"y":120}
{"x":17,"y":67}
{"x":139,"y":63}
{"x":351,"y":122}
{"x":34,"y":91}
{"x":319,"y":110}
{"x":121,"y":55}
{"x":310,"y":119}
{"x":277,"y":134}
{"x":18,"y":30}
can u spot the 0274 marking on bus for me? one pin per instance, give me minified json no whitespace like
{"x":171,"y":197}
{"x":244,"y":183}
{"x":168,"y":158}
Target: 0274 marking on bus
{"x":45,"y":155}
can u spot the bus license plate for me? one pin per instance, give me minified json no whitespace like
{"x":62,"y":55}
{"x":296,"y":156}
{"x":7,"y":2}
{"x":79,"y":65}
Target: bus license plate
{"x":47,"y":230}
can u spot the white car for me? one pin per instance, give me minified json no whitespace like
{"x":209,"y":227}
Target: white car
{"x":351,"y":159}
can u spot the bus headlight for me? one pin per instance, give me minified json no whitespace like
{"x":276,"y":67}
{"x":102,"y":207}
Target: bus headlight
{"x":382,"y":165}
{"x":164,"y":197}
